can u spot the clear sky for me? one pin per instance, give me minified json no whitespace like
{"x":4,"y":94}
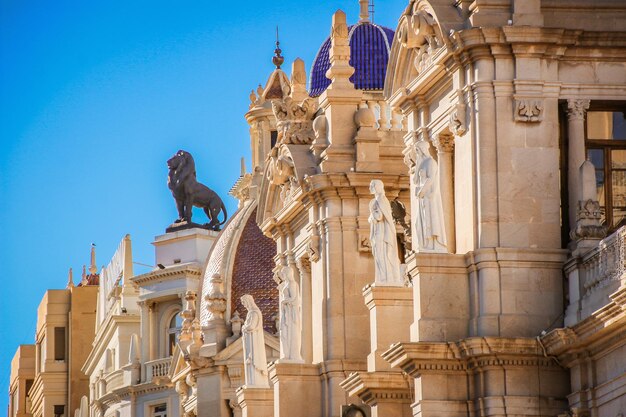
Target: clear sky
{"x":96,"y":96}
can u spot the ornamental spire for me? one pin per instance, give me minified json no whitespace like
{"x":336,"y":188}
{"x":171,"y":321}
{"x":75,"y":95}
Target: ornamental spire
{"x":364,"y":15}
{"x":70,"y":279}
{"x":277,"y":59}
{"x":92,"y":267}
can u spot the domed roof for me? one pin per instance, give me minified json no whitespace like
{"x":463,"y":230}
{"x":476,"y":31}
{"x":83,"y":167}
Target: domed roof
{"x":370,"y":45}
{"x":244,"y":259}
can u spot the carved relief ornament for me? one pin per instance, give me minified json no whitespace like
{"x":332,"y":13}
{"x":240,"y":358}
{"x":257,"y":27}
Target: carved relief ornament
{"x":457,"y":122}
{"x":528,"y":110}
{"x":294,"y":121}
{"x":420,"y":31}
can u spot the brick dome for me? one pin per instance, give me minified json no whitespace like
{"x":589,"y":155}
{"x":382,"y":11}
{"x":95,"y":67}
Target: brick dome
{"x":244,"y":259}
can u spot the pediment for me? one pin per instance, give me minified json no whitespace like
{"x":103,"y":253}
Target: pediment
{"x":423,"y":29}
{"x":178,"y":367}
{"x":234,"y":351}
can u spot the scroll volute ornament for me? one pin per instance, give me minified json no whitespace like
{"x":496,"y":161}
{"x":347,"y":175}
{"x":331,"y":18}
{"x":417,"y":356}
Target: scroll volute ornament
{"x":294,"y":121}
{"x":419,"y":30}
{"x":281,"y":166}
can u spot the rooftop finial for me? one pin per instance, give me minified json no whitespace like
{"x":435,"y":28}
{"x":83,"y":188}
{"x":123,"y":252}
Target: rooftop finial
{"x":364,"y":12}
{"x":92,"y":267}
{"x":277,"y":59}
{"x":70,"y":279}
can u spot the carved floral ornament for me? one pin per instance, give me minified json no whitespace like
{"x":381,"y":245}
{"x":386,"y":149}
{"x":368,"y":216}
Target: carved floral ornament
{"x":528,"y":110}
{"x":294,"y":121}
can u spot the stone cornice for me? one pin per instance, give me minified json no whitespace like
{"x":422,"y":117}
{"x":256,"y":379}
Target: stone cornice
{"x":323,"y":187}
{"x":374,"y":387}
{"x":124,"y":392}
{"x":468,"y":355}
{"x":592,"y":335}
{"x":189,"y":270}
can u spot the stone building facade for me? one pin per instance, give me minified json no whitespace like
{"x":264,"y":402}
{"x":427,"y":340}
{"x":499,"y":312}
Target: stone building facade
{"x":513,"y":304}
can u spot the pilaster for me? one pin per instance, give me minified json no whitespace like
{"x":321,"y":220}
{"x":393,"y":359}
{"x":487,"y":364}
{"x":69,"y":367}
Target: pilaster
{"x":255,"y":402}
{"x":296,"y":385}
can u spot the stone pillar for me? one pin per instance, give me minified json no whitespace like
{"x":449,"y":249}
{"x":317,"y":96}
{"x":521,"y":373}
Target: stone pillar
{"x":304,"y":267}
{"x":576,"y":111}
{"x":143,"y":332}
{"x":444,"y":143}
{"x":340,"y":100}
{"x":296,"y":385}
{"x":391,"y":315}
{"x":153,"y":332}
{"x":210,"y":402}
{"x":382,"y":388}
{"x":256,"y":402}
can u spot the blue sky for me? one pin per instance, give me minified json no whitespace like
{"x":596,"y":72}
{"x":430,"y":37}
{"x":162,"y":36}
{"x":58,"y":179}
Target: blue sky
{"x":94,"y":98}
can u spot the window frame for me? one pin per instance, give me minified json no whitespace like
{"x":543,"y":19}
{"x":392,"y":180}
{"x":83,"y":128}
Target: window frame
{"x":606,"y":146}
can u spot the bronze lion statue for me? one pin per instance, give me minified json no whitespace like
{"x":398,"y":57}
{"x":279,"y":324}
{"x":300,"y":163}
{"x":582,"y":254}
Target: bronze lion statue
{"x":188,"y":192}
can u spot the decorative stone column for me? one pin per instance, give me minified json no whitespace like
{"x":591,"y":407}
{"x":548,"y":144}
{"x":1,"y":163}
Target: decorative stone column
{"x":576,"y":111}
{"x":304,"y":267}
{"x":444,"y":143}
{"x":153,"y":330}
{"x":215,"y":331}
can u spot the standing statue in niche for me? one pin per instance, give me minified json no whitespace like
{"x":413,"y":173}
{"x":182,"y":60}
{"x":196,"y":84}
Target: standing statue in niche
{"x":429,"y":226}
{"x":254,"y":358}
{"x":383,"y":238}
{"x":188,"y":192}
{"x":290,"y":322}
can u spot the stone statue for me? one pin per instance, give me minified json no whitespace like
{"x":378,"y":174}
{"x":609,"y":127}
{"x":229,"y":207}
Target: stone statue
{"x":383,"y":238}
{"x":429,"y":228}
{"x":255,"y":360}
{"x":188,"y":192}
{"x":290,"y":321}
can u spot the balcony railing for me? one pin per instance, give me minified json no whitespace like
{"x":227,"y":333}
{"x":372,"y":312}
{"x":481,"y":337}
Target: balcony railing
{"x":594,"y":277}
{"x":606,"y":264}
{"x":114,"y":380}
{"x":159,"y":368}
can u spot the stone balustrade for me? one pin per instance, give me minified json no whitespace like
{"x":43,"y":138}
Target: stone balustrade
{"x":158,"y":368}
{"x":595,"y":276}
{"x":114,"y":380}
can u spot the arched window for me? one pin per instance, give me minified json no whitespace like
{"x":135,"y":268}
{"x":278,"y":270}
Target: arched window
{"x":173,"y":331}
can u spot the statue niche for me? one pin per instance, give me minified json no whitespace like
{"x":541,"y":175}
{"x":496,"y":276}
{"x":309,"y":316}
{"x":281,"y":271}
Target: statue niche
{"x":188,"y":192}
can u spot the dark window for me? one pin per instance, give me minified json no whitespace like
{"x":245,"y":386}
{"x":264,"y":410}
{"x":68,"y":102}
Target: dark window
{"x":59,"y":411}
{"x":606,"y":149}
{"x":59,"y":343}
{"x":273,"y":137}
{"x":173,"y":332}
{"x":159,"y":410}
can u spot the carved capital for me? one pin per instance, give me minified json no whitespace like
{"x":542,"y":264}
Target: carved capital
{"x":577,"y":108}
{"x":528,"y":110}
{"x":444,"y":143}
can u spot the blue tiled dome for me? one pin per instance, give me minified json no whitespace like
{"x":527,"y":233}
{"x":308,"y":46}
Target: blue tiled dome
{"x":369,"y":52}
